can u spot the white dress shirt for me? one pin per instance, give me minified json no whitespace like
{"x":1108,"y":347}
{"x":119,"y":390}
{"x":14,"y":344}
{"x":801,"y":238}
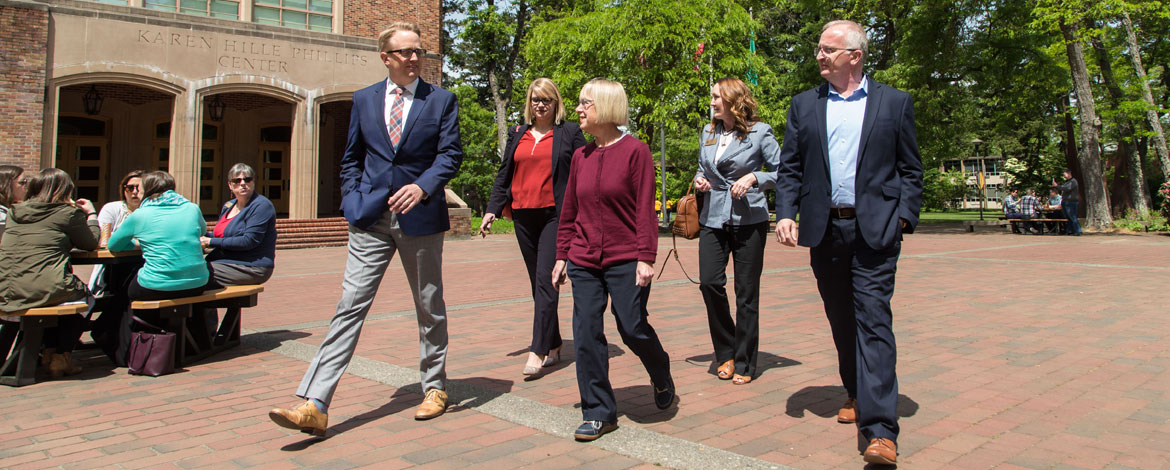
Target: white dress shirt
{"x":408,"y":99}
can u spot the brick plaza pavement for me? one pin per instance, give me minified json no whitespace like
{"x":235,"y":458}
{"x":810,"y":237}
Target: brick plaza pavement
{"x":1014,"y":352}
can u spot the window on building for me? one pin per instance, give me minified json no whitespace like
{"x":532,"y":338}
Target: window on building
{"x":112,"y":2}
{"x":952,"y":165}
{"x":214,"y":8}
{"x":995,"y":166}
{"x":970,"y":166}
{"x":314,"y":15}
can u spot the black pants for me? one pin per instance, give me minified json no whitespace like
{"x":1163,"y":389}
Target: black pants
{"x":200,"y":318}
{"x":591,"y":288}
{"x":856,"y":283}
{"x":111,"y":329}
{"x":738,"y":340}
{"x":65,"y":336}
{"x":536,"y":232}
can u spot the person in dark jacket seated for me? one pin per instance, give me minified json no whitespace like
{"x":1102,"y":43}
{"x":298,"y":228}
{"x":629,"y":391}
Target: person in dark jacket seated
{"x":34,"y":260}
{"x":243,"y":242}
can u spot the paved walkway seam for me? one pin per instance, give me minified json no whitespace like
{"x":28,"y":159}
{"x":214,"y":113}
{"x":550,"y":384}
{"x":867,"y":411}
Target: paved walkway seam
{"x":628,"y":440}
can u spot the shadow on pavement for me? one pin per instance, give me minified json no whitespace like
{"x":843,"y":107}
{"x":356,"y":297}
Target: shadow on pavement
{"x":824,"y":401}
{"x":764,"y":362}
{"x":638,"y":413}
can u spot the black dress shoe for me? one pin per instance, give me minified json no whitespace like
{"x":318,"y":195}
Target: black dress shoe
{"x":591,"y":430}
{"x":663,"y":397}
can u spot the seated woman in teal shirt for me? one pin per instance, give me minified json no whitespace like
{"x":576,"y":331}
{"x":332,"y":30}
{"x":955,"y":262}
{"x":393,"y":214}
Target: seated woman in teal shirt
{"x":167,"y":227}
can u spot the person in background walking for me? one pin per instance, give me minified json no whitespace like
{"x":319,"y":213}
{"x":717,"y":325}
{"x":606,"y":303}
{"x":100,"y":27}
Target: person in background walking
{"x":1070,"y":199}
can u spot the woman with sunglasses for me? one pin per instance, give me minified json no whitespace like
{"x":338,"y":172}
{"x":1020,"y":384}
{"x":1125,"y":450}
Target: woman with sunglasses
{"x":111,"y":217}
{"x":11,"y":191}
{"x":531,"y":185}
{"x":243,"y":241}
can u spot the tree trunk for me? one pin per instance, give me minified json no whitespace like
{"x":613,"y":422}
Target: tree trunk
{"x":501,"y":110}
{"x":500,"y":84}
{"x":1129,"y":168}
{"x":1152,"y":109}
{"x":1093,"y":184}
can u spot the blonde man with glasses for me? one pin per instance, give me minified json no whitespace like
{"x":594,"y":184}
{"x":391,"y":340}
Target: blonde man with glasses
{"x":403,"y":148}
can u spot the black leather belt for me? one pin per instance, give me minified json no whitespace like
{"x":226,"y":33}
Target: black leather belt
{"x":842,"y":212}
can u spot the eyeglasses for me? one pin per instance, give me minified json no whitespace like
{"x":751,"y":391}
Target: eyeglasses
{"x":544,"y":101}
{"x":407,"y":52}
{"x":585,"y":103}
{"x":828,"y":51}
{"x":246,"y":179}
{"x":131,"y":187}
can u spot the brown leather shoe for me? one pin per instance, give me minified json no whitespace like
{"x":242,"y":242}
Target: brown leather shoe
{"x":305,"y":418}
{"x":726,"y":370}
{"x":882,"y":451}
{"x":848,"y":412}
{"x":433,"y":405}
{"x":62,"y":364}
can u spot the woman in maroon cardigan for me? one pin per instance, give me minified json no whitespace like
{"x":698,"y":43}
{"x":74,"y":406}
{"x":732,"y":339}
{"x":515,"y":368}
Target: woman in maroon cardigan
{"x":606,"y":244}
{"x":531,"y":185}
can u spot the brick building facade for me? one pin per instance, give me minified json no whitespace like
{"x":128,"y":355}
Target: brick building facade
{"x":102,"y":87}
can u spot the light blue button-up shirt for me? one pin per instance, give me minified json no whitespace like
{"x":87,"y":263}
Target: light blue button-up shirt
{"x":843,"y":119}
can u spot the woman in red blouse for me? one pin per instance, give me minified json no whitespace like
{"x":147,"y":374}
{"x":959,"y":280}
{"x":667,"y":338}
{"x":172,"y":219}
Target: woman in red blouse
{"x":531,"y":185}
{"x":606,"y":244}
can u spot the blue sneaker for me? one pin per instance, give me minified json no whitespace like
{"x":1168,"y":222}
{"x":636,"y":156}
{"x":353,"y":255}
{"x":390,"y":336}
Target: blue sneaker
{"x":591,"y":430}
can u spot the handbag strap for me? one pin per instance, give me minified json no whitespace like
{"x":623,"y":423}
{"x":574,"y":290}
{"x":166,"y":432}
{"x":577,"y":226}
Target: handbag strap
{"x":674,"y":251}
{"x":139,"y":320}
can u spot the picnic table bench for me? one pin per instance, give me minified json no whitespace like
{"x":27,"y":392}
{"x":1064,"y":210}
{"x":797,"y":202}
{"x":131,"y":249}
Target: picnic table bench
{"x":197,"y":343}
{"x":20,"y":367}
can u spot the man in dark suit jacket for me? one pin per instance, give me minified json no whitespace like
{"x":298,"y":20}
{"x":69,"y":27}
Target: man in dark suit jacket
{"x":403,"y":148}
{"x":850,"y":166}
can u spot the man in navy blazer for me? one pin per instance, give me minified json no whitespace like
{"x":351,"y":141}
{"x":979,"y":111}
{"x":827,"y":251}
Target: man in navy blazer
{"x":850,"y":166}
{"x":403,"y":148}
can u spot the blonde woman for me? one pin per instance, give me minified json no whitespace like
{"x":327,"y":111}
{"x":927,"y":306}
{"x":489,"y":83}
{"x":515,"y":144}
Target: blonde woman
{"x":607,"y":242}
{"x":531,"y":185}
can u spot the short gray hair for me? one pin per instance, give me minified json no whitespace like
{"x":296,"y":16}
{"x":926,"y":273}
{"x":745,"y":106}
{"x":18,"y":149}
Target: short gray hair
{"x":854,"y":35}
{"x":240,"y":169}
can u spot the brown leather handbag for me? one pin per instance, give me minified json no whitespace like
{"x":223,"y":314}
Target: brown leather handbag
{"x":686,"y":217}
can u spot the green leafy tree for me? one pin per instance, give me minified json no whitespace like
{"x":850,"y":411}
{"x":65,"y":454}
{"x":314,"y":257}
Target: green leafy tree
{"x":665,"y":53}
{"x":474,"y":181}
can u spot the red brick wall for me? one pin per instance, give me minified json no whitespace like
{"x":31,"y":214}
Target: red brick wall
{"x":367,"y":18}
{"x":23,"y":54}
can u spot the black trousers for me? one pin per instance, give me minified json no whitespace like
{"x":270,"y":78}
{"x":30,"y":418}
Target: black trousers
{"x":200,"y":318}
{"x":536,"y":232}
{"x":856,"y":283}
{"x":591,"y":288}
{"x":738,"y":340}
{"x":65,"y":336}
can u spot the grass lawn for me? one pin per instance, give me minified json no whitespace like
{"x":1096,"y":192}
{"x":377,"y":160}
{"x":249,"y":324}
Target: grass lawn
{"x":500,"y":225}
{"x":954,"y":216}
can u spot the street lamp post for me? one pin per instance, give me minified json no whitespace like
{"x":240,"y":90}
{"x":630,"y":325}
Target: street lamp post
{"x":980,"y":179}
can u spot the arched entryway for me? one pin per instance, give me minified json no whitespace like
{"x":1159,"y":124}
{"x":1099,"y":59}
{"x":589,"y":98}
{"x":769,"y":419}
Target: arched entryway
{"x":105,"y":130}
{"x":331,"y":138}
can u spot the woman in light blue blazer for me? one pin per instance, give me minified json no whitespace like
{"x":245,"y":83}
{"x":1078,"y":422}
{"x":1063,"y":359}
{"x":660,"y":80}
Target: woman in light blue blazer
{"x":738,"y":156}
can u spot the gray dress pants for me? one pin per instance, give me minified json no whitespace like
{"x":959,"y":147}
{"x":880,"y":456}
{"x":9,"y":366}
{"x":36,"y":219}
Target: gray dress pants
{"x":370,"y":252}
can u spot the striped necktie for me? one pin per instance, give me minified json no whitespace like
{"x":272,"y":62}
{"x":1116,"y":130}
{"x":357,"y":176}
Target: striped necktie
{"x":395,"y":124}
